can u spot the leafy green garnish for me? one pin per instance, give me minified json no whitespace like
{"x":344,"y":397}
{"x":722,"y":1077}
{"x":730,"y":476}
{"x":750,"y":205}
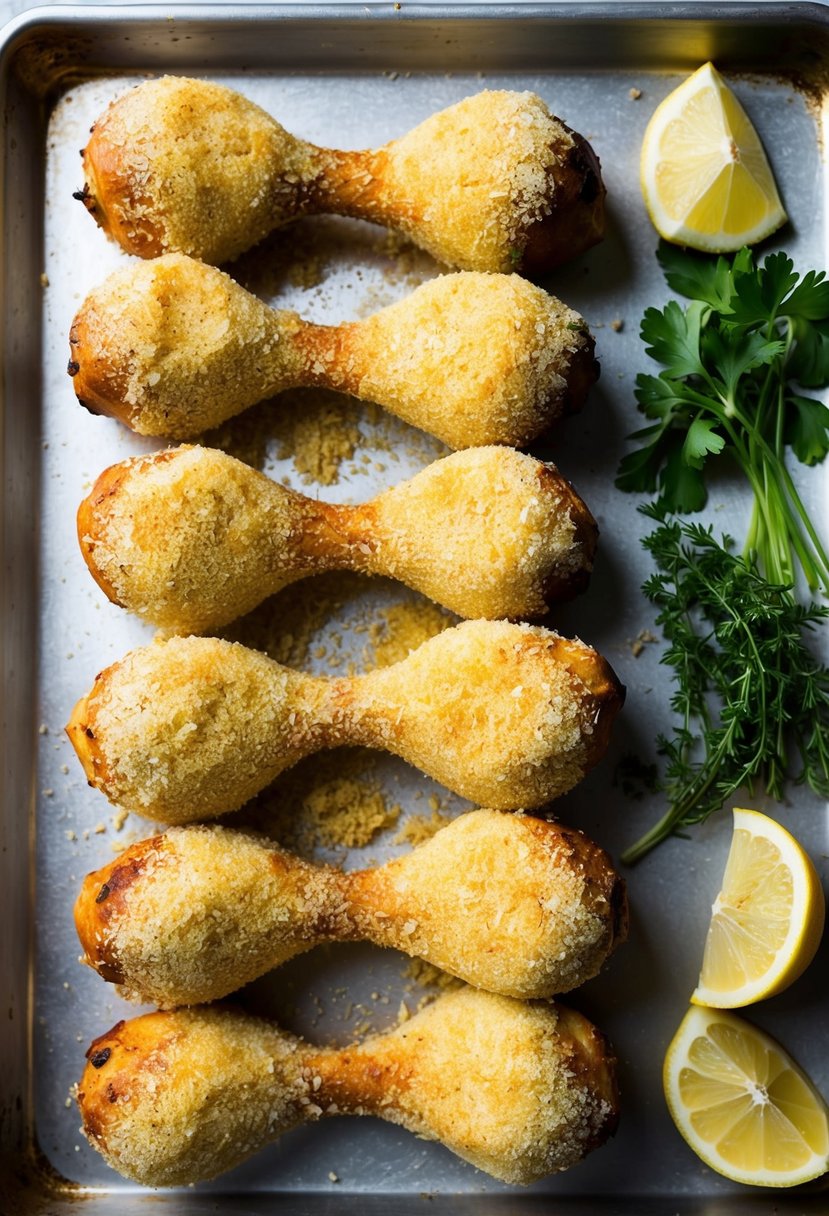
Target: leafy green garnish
{"x":749,"y":693}
{"x":734,"y":360}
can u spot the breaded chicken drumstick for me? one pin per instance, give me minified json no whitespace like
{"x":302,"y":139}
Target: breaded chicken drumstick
{"x":506,"y":902}
{"x":190,"y":538}
{"x":173,"y":347}
{"x":493,"y":183}
{"x":519,"y":1090}
{"x":506,"y":715}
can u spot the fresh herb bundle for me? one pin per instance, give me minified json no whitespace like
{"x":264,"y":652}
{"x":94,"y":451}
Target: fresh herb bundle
{"x":748,"y":690}
{"x":749,"y":694}
{"x":734,"y":361}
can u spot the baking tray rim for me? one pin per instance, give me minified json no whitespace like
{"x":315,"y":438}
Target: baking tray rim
{"x":40,"y":1185}
{"x":360,"y":13}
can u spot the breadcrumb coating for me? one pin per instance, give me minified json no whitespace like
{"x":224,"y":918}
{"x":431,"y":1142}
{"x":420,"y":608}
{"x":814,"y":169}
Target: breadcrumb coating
{"x":493,"y":183}
{"x":173,"y":347}
{"x":511,"y":904}
{"x":190,"y":538}
{"x":506,"y":715}
{"x":519,"y":1090}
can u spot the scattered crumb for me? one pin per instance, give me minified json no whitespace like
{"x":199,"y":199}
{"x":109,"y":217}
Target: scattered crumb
{"x":44,"y":280}
{"x":403,"y":627}
{"x":643,"y":638}
{"x":307,"y":273}
{"x":319,"y":432}
{"x":99,"y":828}
{"x":332,"y":1177}
{"x":426,"y":975}
{"x":617,"y":325}
{"x":70,"y":835}
{"x":419,"y":828}
{"x":120,"y":818}
{"x":43,"y":729}
{"x":131,"y":838}
{"x":333,"y":800}
{"x":634,"y":94}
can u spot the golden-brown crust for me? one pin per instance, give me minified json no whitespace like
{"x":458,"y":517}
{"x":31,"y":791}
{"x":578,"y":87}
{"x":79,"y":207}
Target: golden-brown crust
{"x":605,"y":889}
{"x":492,"y":182}
{"x":560,"y":584}
{"x":112,"y":196}
{"x":99,"y":385}
{"x":103,"y":899}
{"x":82,"y":736}
{"x":96,"y":507}
{"x":130,"y":1050}
{"x":520,"y":1090}
{"x":592,"y":1061}
{"x":536,"y":912}
{"x":506,"y":715}
{"x":190,"y":538}
{"x":604,"y":687}
{"x":173,"y":347}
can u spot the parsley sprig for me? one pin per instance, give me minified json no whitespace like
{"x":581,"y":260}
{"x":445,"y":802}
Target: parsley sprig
{"x":749,"y":694}
{"x":735,"y":361}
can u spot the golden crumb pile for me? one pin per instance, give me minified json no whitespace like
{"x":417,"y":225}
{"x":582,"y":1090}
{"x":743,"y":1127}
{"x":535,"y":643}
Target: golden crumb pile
{"x":318,"y":430}
{"x":419,"y":828}
{"x":402,"y":627}
{"x":334,"y":800}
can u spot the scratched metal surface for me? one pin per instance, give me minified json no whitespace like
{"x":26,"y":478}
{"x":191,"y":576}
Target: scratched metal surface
{"x":642,"y":994}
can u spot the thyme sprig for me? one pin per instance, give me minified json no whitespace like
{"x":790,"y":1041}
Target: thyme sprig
{"x":748,"y":692}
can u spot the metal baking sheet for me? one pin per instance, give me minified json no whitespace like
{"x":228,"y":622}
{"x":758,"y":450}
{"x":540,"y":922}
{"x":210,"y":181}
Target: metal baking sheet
{"x":352,"y":79}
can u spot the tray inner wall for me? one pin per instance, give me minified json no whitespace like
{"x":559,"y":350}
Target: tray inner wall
{"x":643,"y":993}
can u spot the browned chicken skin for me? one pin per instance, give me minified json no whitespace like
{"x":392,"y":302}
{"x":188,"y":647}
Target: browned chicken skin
{"x":520,"y":1090}
{"x":506,"y":715}
{"x":493,"y":183}
{"x":190,"y":538}
{"x":173,"y":347}
{"x":506,"y":902}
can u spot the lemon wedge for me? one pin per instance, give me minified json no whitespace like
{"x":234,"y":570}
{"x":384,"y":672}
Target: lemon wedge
{"x":742,"y":1103}
{"x":767,"y":920}
{"x":705,"y":176}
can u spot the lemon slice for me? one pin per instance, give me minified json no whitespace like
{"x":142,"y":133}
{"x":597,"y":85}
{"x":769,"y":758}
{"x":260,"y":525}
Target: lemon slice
{"x":767,"y":920}
{"x":705,"y":176}
{"x":742,"y":1103}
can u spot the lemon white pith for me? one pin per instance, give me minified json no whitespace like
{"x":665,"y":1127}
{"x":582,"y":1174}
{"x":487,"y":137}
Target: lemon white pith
{"x":705,"y":177}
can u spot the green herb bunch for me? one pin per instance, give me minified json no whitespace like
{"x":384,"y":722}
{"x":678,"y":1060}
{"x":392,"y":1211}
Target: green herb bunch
{"x":751,"y":699}
{"x":735,"y":361}
{"x":748,"y":692}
